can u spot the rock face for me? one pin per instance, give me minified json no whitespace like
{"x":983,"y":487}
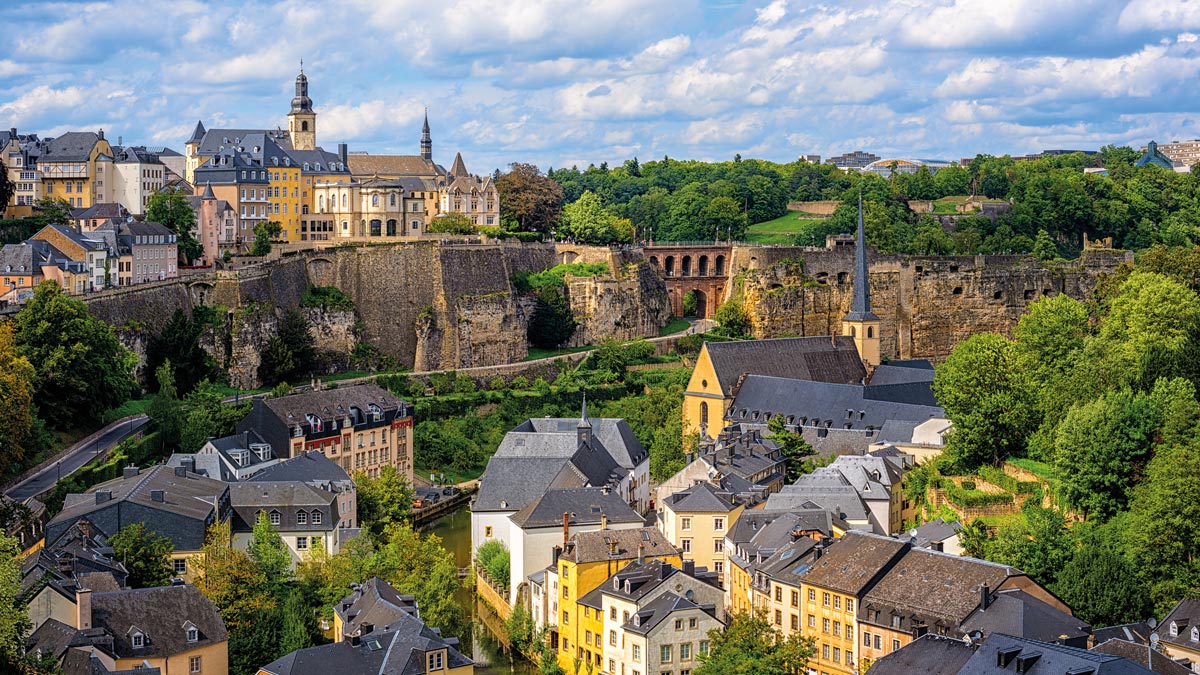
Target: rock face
{"x":927,"y":305}
{"x":633,"y":306}
{"x":333,"y":330}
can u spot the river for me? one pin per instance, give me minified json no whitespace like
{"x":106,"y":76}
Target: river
{"x":489,"y":656}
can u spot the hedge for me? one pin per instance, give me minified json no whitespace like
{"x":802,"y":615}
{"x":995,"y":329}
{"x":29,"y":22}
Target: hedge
{"x":998,"y":478}
{"x":494,"y":558}
{"x":973,"y":498}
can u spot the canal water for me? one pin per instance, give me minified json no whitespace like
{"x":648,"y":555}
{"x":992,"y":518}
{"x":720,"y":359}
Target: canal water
{"x":481,"y":644}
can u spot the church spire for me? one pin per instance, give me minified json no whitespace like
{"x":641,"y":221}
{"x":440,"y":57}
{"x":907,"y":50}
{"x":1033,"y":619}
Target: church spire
{"x":426,"y":139}
{"x":584,"y":420}
{"x":860,"y":303}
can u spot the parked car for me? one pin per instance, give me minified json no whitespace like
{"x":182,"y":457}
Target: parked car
{"x":449,"y":490}
{"x":419,"y":503}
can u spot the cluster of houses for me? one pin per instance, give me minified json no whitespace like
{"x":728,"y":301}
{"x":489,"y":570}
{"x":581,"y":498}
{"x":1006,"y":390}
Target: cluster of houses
{"x":291,"y":461}
{"x":629,"y":581}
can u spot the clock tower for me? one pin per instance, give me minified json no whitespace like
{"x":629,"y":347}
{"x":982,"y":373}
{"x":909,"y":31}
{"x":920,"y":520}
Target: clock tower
{"x":302,"y":121}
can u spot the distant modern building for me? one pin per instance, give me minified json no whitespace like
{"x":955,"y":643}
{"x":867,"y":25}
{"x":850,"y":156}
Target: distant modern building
{"x":885,"y":167}
{"x":1181,"y":153}
{"x":852,"y":160}
{"x":1154,"y":157}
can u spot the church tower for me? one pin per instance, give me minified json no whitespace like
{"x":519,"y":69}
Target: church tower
{"x":302,"y":121}
{"x":426,"y":139}
{"x":861,"y":323}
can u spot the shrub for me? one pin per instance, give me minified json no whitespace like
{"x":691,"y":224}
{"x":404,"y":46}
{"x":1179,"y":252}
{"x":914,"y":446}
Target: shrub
{"x":974,"y":498}
{"x":520,"y":382}
{"x":494,"y":559}
{"x":968,"y":485}
{"x":443,"y":383}
{"x":464,"y":385}
{"x":327,"y":297}
{"x":497,"y":384}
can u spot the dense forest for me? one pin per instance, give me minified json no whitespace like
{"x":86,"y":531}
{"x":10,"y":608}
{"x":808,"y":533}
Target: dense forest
{"x":1100,"y":398}
{"x":1054,"y":202}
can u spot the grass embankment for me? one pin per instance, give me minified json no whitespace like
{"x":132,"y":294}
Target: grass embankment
{"x":675,"y":326}
{"x":782,"y":230}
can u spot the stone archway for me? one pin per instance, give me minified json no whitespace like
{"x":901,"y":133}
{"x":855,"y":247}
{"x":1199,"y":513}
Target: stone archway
{"x":702,"y":309}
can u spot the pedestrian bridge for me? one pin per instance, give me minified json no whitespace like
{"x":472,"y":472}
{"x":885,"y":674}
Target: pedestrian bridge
{"x":699,"y":268}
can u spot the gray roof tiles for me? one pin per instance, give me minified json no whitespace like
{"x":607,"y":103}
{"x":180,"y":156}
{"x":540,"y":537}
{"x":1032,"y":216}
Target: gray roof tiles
{"x":586,"y":506}
{"x":807,"y":403}
{"x":824,"y":359}
{"x":159,"y":613}
{"x":73,"y":146}
{"x":701,"y":498}
{"x":853,"y":563}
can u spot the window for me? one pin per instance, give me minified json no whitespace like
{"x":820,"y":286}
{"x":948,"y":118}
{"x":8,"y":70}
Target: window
{"x":812,"y":595}
{"x":824,"y":625}
{"x":274,"y":517}
{"x":849,"y":657}
{"x":637,"y":653}
{"x":849,"y":605}
{"x":692,"y":623}
{"x":837,"y":654}
{"x":837,"y":602}
{"x":825,"y":652}
{"x":665,"y":654}
{"x":795,"y":622}
{"x":301,"y":543}
{"x":566,"y":591}
{"x":587,"y":637}
{"x":301,"y":518}
{"x":179,"y":566}
{"x":878,"y":641}
{"x":825,"y":599}
{"x":678,"y":624}
{"x":849,"y":631}
{"x":895,"y":645}
{"x":718,"y":566}
{"x":194,"y":664}
{"x":795,"y":598}
{"x":192,"y":635}
{"x":612,"y":637}
{"x":812,"y":621}
{"x":565,"y":619}
{"x":866,"y":639}
{"x":612,"y":666}
{"x":612,"y":613}
{"x":718,"y":545}
{"x":895,"y":621}
{"x":437,"y":660}
{"x":837,"y":629}
{"x":718,"y":524}
{"x":685,"y":523}
{"x":316,"y":517}
{"x":778,"y":618}
{"x":138,"y":641}
{"x":685,"y":651}
{"x":778,"y":593}
{"x":685,"y":545}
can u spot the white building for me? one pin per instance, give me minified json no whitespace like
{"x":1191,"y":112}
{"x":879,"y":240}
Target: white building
{"x":137,"y":174}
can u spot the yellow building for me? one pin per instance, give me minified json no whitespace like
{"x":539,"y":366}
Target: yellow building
{"x":757,"y":541}
{"x":77,"y":166}
{"x":696,"y":521}
{"x":831,"y":592}
{"x":590,"y":559}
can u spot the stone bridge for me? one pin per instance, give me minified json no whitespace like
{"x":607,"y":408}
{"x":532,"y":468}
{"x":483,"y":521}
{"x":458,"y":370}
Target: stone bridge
{"x":702,"y":268}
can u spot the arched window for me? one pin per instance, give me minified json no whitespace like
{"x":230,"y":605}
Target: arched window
{"x":375,"y":200}
{"x":870,"y":331}
{"x":344,"y":200}
{"x":321,"y":202}
{"x":393,"y":200}
{"x":304,"y":126}
{"x":853,"y":333}
{"x":704,"y":413}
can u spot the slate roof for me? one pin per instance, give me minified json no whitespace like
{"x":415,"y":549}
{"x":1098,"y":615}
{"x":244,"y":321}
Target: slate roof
{"x":73,"y":146}
{"x":614,"y":434}
{"x":511,"y":483}
{"x":657,"y":610}
{"x":458,"y":168}
{"x":598,"y":545}
{"x":53,"y":637}
{"x":218,"y":140}
{"x":1185,"y":615}
{"x":937,"y":589}
{"x":374,"y":603}
{"x":1138,"y":633}
{"x":19,"y":258}
{"x":396,"y":649}
{"x":822,"y":359}
{"x":852,"y":564}
{"x":1015,"y":612}
{"x":701,"y":498}
{"x":391,"y":165}
{"x":332,"y":403}
{"x":902,"y":372}
{"x":807,"y":403}
{"x":932,"y":533}
{"x":1154,"y":156}
{"x":1051,"y":659}
{"x":208,"y":465}
{"x":860,"y":301}
{"x":159,"y":613}
{"x":791,"y":562}
{"x":758,"y":535}
{"x":311,"y":467}
{"x":198,"y":132}
{"x":79,"y":556}
{"x":585,"y":506}
{"x":81,"y":661}
{"x":827,"y":490}
{"x":112,"y":210}
{"x":929,"y":655}
{"x":247,"y":499}
{"x":1137,"y":652}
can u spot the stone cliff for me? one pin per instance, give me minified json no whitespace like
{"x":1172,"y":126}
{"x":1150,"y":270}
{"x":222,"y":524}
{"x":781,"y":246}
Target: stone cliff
{"x":927,"y":305}
{"x":627,"y":307}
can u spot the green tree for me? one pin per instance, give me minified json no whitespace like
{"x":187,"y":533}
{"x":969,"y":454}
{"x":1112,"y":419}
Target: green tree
{"x":179,"y":344}
{"x":145,"y":554}
{"x":270,"y":554}
{"x":585,"y":220}
{"x":1163,"y":533}
{"x":1038,"y":544}
{"x":493,"y":557}
{"x":299,"y":623}
{"x":17,"y":386}
{"x":722,"y":218}
{"x":528,"y":199}
{"x":290,"y":355}
{"x":733,"y":318}
{"x":1044,"y":247}
{"x":552,"y":323}
{"x":82,"y":370}
{"x":14,"y":621}
{"x":987,"y":396}
{"x":1147,"y":333}
{"x":383,"y":501}
{"x":206,"y":416}
{"x":171,"y":209}
{"x":795,"y":449}
{"x":1102,"y":585}
{"x":264,"y":234}
{"x":750,"y":645}
{"x":691,"y":303}
{"x":51,"y":210}
{"x":7,"y":188}
{"x":451,"y":223}
{"x":166,"y":411}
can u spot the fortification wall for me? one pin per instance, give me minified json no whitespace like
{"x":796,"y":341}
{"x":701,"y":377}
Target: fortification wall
{"x":626,"y":308}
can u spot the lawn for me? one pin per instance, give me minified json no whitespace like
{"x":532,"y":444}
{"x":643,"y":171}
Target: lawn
{"x":135,"y":406}
{"x":789,"y":222}
{"x":675,"y":326}
{"x":536,"y":353}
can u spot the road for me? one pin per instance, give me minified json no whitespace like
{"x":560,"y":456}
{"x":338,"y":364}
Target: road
{"x":83,"y":452}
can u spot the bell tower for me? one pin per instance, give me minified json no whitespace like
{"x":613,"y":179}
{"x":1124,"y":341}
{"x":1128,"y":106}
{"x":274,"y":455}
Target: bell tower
{"x":860,"y":322}
{"x":426,"y":139}
{"x":302,"y":121}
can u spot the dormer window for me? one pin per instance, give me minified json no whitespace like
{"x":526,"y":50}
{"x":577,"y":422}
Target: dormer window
{"x":316,"y":517}
{"x":315,"y":422}
{"x":376,"y":412}
{"x":1195,"y":634}
{"x":301,"y":518}
{"x":275,"y":519}
{"x":1174,"y":629}
{"x":193,"y":634}
{"x":137,"y":638}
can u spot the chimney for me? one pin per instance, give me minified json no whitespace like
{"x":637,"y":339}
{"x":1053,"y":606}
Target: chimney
{"x":181,"y":471}
{"x":355,"y":641}
{"x":603,"y":521}
{"x":689,"y":567}
{"x":343,"y":153}
{"x":189,"y":463}
{"x":366,"y":628}
{"x":130,"y":472}
{"x":817,"y":551}
{"x":103,"y":496}
{"x":83,"y":608}
{"x":566,"y":528}
{"x":557,"y":551}
{"x":985,"y":599}
{"x":100,"y":134}
{"x":158,"y":496}
{"x":641,"y":552}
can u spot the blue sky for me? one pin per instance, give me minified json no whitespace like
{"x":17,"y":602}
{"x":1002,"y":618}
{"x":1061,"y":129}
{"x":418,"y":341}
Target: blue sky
{"x":561,"y":82}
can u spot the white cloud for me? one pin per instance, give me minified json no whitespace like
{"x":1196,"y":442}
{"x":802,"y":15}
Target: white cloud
{"x":1167,"y":15}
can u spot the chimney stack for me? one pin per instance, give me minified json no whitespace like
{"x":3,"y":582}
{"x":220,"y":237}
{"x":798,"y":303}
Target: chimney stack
{"x":641,"y":552}
{"x":566,"y":529}
{"x":83,"y":608}
{"x":603,"y":521}
{"x":158,"y":496}
{"x":689,"y":567}
{"x":130,"y":472}
{"x":985,"y":599}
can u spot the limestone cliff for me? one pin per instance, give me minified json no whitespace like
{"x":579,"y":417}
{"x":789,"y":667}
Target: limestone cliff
{"x":626,"y":308}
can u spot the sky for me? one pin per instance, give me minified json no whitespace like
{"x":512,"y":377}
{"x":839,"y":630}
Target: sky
{"x":575,"y":82}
